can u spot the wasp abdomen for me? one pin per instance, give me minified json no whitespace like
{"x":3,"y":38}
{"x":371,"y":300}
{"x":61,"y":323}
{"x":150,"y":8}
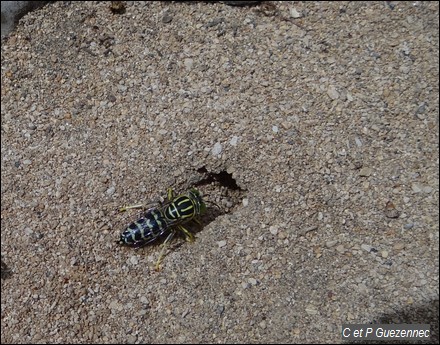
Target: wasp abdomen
{"x":144,"y":230}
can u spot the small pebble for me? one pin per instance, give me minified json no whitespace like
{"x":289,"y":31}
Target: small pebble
{"x":330,"y":244}
{"x":427,"y":189}
{"x":340,"y":248}
{"x":408,"y":226}
{"x":273,"y":230}
{"x":221,"y":244}
{"x":134,"y":260}
{"x":217,"y":149}
{"x":332,"y":93}
{"x":234,"y":141}
{"x":188,"y":63}
{"x":294,"y":13}
{"x":365,"y":172}
{"x":391,"y":211}
{"x":28,"y":231}
{"x":416,"y":187}
{"x":366,"y":247}
{"x":311,"y":310}
{"x":167,"y":18}
{"x":399,"y":246}
{"x":252,"y":281}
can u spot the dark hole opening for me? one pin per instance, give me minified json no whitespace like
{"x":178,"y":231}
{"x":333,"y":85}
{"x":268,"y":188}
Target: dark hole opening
{"x":223,"y":178}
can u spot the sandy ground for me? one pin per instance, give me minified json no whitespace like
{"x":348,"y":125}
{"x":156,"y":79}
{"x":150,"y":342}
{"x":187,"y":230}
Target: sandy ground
{"x":310,"y":128}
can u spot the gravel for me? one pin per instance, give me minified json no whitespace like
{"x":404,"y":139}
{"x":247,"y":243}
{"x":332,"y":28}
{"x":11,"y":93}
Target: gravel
{"x":324,"y":114}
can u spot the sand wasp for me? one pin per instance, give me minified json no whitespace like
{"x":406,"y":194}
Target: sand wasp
{"x":165,"y":219}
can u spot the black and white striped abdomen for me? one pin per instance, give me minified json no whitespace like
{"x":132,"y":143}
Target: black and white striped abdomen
{"x":146,"y":229}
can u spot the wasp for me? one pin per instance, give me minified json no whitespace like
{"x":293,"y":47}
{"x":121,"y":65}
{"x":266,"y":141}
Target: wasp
{"x":165,"y":219}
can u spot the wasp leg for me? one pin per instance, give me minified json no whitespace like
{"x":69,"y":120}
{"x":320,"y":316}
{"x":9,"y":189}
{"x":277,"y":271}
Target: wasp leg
{"x":170,"y":194}
{"x":125,"y":208}
{"x":164,"y":245}
{"x":197,"y":221}
{"x":189,"y":237}
{"x":145,"y":207}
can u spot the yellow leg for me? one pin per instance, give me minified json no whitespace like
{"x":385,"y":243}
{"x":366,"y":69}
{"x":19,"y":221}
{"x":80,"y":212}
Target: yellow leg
{"x":170,"y":194}
{"x":164,"y":245}
{"x":125,"y":208}
{"x":189,"y":237}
